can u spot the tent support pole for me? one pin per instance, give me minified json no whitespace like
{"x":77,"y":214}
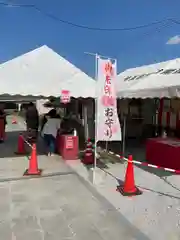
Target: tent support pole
{"x":124,"y":137}
{"x":106,"y":146}
{"x":86,"y":132}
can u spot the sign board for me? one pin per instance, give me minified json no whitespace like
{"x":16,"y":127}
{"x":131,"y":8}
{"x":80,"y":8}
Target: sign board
{"x":65,"y":96}
{"x":69,"y":142}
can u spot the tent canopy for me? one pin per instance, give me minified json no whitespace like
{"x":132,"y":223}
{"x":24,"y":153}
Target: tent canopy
{"x":157,"y":80}
{"x":42,"y":72}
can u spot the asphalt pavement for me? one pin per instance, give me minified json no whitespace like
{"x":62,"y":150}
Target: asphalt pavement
{"x":59,"y":207}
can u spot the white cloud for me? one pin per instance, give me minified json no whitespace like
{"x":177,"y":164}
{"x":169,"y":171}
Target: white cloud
{"x":174,"y":40}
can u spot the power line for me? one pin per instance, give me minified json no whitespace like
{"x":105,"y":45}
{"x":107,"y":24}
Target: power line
{"x":52,"y":16}
{"x":95,"y":28}
{"x":157,"y":29}
{"x":146,"y":34}
{"x":175,"y":21}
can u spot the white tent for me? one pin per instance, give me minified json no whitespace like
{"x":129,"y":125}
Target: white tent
{"x":156,"y":80}
{"x":42,"y":72}
{"x":79,"y":85}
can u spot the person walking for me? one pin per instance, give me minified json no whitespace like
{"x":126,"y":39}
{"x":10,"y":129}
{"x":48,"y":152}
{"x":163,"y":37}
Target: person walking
{"x":32,"y":122}
{"x":50,"y":131}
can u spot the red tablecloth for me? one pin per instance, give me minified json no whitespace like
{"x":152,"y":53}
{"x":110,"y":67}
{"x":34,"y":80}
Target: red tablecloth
{"x":163,"y":152}
{"x":2,"y":130}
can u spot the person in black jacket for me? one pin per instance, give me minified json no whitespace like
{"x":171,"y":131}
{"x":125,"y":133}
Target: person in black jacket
{"x":32,"y":121}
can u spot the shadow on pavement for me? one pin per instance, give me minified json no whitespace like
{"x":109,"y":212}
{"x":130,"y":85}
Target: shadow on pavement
{"x":10,"y":146}
{"x":137,"y":150}
{"x":130,"y":230}
{"x":170,"y":184}
{"x":158,"y":172}
{"x":120,"y":182}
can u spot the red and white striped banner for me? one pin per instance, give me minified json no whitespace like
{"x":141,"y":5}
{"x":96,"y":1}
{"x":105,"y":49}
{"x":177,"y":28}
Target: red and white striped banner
{"x":147,"y":164}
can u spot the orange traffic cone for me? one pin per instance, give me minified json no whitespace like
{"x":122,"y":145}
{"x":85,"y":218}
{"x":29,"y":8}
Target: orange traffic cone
{"x":14,"y":121}
{"x":21,"y":146}
{"x":129,"y":188}
{"x":88,"y":155}
{"x":33,"y":164}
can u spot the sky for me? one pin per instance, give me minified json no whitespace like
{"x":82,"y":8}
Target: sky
{"x":24,"y":29}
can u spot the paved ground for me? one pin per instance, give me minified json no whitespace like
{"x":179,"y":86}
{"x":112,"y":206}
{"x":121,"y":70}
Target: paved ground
{"x":156,"y":212}
{"x":59,"y":208}
{"x":63,"y":206}
{"x":13,"y":165}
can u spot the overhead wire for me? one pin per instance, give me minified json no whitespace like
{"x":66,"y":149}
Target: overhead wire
{"x":132,"y":48}
{"x":155,"y":30}
{"x":52,"y":16}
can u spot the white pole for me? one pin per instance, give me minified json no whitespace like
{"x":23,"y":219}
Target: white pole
{"x":19,"y":107}
{"x":96,"y":78}
{"x":101,"y":56}
{"x":95,"y":143}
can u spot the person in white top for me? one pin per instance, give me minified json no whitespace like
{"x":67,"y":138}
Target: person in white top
{"x":50,"y":130}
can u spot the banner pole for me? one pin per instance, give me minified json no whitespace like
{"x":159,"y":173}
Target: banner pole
{"x":97,"y":56}
{"x":95,"y":143}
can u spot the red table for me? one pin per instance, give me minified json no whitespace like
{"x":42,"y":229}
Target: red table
{"x":164,"y":152}
{"x":68,"y":146}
